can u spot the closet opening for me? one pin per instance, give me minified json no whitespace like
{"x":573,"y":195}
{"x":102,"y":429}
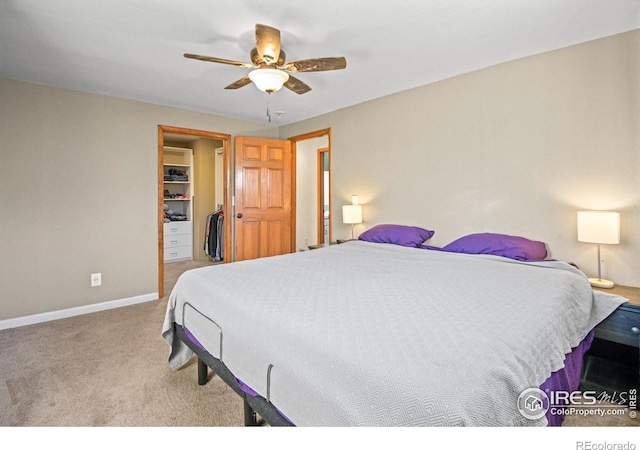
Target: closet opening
{"x":193,"y":180}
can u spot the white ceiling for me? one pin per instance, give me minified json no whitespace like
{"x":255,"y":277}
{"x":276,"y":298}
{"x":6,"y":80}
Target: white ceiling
{"x":133,"y":48}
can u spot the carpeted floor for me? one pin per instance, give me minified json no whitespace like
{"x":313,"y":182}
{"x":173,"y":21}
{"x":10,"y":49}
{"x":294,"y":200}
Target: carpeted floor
{"x":110,"y":369}
{"x":107,"y":369}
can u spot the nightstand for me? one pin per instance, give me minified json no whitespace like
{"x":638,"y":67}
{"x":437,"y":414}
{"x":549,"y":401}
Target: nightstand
{"x":613,"y":362}
{"x":316,"y":246}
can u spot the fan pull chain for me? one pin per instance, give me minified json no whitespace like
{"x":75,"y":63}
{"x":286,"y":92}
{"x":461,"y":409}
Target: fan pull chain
{"x":268,"y":112}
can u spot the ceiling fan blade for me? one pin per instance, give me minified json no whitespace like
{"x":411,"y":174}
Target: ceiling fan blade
{"x":239,"y":83}
{"x":255,"y":58}
{"x":316,"y":65}
{"x":297,"y":86}
{"x":219,"y":60}
{"x":268,"y":43}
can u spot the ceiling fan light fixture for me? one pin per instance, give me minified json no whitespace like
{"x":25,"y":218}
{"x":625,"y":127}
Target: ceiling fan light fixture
{"x":269,"y":80}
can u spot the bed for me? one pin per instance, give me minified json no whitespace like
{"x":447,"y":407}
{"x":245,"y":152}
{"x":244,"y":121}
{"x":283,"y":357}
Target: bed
{"x":380,"y":334}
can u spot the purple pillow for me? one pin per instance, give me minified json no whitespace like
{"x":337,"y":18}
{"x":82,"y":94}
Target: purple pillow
{"x":404,"y":235}
{"x":514,"y":247}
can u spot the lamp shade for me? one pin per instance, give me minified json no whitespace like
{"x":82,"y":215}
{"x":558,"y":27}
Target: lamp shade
{"x":352,"y":214}
{"x":268,"y":80}
{"x":599,"y":227}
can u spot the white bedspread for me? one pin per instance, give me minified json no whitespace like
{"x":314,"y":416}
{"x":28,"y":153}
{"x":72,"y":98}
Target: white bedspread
{"x":363,"y":334}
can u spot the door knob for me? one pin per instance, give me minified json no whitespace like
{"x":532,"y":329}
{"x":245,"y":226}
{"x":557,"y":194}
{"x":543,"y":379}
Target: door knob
{"x":239,"y":215}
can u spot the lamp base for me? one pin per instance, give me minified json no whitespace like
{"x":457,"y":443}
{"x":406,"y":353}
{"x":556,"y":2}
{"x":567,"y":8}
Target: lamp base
{"x":597,"y":282}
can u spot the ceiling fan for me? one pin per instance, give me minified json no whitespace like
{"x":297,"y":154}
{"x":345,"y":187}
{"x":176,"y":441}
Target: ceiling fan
{"x":271,"y":72}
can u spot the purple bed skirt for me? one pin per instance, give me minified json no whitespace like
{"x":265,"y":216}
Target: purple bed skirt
{"x":566,"y":379}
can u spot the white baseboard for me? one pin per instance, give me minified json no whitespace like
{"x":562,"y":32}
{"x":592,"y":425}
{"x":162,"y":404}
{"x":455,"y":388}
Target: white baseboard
{"x":77,"y":311}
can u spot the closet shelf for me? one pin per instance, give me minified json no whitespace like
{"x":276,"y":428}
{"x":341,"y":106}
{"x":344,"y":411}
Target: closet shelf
{"x":178,"y":194}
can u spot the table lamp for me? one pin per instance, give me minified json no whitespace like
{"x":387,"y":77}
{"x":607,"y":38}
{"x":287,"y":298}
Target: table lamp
{"x":599,"y":227}
{"x":352,"y":214}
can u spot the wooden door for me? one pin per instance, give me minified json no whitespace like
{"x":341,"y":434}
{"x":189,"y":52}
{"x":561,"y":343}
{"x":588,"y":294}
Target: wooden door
{"x":263,"y":176}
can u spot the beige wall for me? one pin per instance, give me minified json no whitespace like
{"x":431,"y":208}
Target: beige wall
{"x":78,"y":177}
{"x":517,"y":148}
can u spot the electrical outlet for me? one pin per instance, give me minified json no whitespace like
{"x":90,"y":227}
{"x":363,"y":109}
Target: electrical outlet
{"x":96,"y":279}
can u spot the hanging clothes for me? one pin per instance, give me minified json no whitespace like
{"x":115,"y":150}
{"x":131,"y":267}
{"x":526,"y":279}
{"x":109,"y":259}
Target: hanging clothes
{"x":214,"y":236}
{"x":219,"y":238}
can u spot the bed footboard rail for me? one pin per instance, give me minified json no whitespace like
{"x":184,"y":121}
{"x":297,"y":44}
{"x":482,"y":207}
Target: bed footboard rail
{"x":253,"y":405}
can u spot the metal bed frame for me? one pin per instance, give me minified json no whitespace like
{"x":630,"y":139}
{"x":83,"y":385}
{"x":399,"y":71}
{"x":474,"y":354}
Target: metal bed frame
{"x":253,"y":405}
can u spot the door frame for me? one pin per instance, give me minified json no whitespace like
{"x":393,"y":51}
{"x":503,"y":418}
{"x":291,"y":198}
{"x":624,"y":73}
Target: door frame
{"x":226,"y":150}
{"x":294,"y":179}
{"x":320,"y":197}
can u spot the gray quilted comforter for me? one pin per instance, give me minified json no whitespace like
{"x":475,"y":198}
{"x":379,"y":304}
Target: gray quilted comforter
{"x":363,"y":334}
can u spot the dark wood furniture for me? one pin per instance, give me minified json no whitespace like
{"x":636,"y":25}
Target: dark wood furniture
{"x":612,"y":365}
{"x":316,"y":246}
